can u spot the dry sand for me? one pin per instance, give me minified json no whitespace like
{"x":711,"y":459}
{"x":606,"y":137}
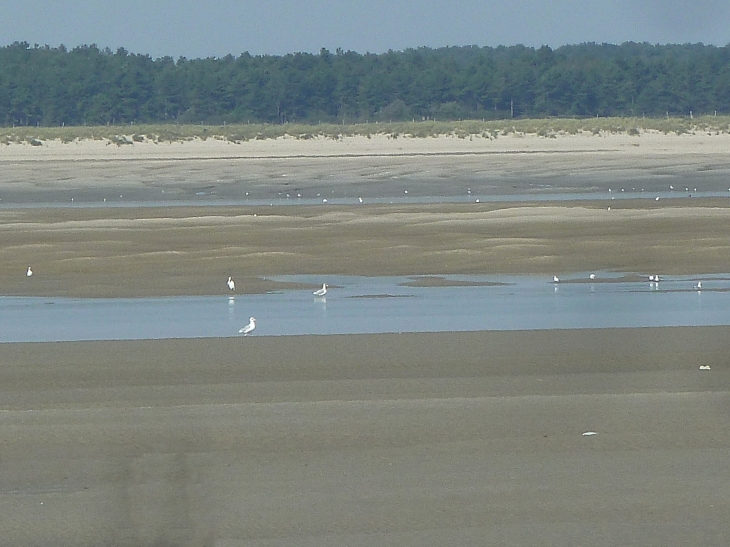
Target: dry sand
{"x":417,"y":439}
{"x":91,"y":171}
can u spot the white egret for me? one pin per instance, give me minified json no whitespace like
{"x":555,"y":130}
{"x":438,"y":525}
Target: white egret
{"x":248,"y":329}
{"x":231,"y":284}
{"x":322,"y":291}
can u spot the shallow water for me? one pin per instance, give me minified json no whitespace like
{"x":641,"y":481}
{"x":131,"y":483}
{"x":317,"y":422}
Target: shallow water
{"x":377,"y":305}
{"x":208,"y":200}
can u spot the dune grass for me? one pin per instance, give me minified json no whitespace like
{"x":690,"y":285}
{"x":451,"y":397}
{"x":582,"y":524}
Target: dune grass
{"x":548,"y":128}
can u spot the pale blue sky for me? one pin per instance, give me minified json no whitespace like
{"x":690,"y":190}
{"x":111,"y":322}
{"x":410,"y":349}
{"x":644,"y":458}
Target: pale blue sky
{"x":194,"y":28}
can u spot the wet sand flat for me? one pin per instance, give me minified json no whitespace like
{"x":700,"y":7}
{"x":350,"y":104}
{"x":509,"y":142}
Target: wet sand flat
{"x":192,"y":251}
{"x":413,"y":439}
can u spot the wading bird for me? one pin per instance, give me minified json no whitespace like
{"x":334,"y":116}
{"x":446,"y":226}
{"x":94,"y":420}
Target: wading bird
{"x":248,"y":329}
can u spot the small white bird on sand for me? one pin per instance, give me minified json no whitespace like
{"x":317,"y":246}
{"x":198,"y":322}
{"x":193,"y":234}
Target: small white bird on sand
{"x":322,"y":291}
{"x":592,"y":276}
{"x":231,"y":284}
{"x":556,"y":279}
{"x":248,"y":329}
{"x":29,"y":272}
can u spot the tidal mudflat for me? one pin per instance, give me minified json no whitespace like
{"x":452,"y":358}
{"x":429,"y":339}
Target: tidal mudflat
{"x":410,"y":439}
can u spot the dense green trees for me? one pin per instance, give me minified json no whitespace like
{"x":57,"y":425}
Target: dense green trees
{"x":87,"y":85}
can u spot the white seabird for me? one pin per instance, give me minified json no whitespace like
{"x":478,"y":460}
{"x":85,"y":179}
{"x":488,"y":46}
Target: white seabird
{"x":698,"y":286}
{"x":556,"y":279}
{"x":231,"y":284}
{"x":248,"y":329}
{"x":29,"y":272}
{"x":592,"y":276}
{"x":322,"y":291}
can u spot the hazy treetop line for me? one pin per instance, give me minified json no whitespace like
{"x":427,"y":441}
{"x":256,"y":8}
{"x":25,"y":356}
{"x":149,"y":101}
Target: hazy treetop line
{"x":86,"y":85}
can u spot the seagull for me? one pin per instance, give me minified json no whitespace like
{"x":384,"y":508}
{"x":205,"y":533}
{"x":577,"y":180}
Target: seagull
{"x":592,"y":276}
{"x":248,"y":329}
{"x":705,"y":367}
{"x":556,"y":279}
{"x":699,"y":286}
{"x":651,"y":277}
{"x":322,"y":291}
{"x":231,"y":284}
{"x":29,"y":272}
{"x":360,"y":200}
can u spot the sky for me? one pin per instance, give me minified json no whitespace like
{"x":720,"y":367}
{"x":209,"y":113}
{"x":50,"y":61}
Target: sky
{"x":199,"y":29}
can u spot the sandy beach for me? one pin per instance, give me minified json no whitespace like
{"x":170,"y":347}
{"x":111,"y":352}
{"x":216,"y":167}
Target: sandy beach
{"x":380,"y":166}
{"x":403,"y":439}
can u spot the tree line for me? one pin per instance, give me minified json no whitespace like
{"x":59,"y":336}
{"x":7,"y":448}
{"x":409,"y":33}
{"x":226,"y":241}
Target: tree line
{"x":87,"y":85}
